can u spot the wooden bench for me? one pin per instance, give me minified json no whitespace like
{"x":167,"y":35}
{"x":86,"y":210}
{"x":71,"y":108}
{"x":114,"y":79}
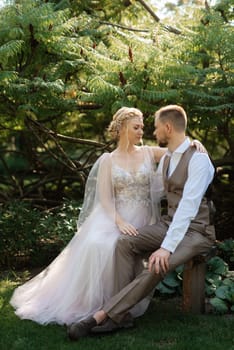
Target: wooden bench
{"x":194,"y":282}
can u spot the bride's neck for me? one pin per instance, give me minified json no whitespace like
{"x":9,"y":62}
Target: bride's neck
{"x":123,"y":148}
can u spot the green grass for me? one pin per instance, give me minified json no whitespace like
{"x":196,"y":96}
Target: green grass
{"x":163,"y":327}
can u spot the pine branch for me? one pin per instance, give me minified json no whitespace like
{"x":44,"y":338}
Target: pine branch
{"x":125,"y":27}
{"x":43,"y":129}
{"x":157,"y":19}
{"x":67,"y":162}
{"x":148,"y":8}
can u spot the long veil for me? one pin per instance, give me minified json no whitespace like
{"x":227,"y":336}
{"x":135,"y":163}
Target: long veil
{"x":99,"y":190}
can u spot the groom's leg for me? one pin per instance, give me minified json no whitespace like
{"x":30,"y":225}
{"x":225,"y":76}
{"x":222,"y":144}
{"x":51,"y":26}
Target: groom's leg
{"x":193,"y":243}
{"x":130,"y":250}
{"x":117,"y":307}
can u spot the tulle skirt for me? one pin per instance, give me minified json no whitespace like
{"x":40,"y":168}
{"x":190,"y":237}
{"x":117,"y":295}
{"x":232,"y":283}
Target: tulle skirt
{"x":79,"y":281}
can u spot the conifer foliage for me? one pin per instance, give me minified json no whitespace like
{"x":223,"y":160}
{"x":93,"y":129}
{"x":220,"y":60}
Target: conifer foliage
{"x":67,"y":66}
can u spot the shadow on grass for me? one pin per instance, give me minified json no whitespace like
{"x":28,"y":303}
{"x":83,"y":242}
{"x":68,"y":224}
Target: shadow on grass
{"x":163,"y":326}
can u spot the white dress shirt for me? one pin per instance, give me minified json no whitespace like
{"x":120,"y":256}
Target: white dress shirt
{"x":200,"y":175}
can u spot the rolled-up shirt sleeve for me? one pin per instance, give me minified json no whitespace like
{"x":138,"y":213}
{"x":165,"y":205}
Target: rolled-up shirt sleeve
{"x":200,"y":175}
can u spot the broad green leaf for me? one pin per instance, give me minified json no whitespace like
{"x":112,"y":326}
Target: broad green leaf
{"x":219,"y":305}
{"x":223,"y":292}
{"x":171,"y":280}
{"x":162,"y":288}
{"x":218,"y":266}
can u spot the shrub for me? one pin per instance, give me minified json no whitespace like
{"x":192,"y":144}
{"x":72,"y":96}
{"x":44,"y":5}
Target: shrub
{"x":32,"y":236}
{"x":220,"y":285}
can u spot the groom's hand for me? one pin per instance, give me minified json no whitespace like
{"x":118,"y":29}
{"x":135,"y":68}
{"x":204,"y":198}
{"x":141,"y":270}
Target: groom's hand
{"x":159,"y":261}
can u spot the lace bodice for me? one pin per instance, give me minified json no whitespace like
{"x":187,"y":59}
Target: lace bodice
{"x":131,"y":188}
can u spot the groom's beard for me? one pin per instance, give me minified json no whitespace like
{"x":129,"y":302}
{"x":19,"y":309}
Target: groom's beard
{"x":163,"y":143}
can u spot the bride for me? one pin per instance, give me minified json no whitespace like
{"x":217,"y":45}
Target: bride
{"x":121,"y":195}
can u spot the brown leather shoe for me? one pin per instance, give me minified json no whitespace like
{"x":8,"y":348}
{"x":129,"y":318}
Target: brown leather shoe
{"x":110,"y":326}
{"x":81,"y":329}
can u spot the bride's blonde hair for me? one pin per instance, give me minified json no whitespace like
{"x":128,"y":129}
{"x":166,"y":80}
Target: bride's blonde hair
{"x":119,"y":119}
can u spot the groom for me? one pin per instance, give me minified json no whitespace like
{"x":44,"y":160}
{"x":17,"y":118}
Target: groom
{"x":184,"y":232}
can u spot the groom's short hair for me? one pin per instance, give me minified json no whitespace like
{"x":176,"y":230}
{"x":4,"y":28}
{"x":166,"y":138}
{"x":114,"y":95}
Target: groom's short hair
{"x":174,"y":114}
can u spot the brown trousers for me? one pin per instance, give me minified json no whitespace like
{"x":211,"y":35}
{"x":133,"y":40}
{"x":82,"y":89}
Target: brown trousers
{"x":131,"y":287}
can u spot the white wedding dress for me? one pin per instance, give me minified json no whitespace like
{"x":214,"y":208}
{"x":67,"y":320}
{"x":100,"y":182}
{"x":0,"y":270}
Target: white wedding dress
{"x":81,"y":278}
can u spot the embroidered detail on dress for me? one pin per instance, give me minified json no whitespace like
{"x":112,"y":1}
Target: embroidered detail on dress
{"x":132,"y":188}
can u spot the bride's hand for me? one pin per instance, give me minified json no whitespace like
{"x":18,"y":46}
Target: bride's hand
{"x":126,"y":228}
{"x":199,"y":146}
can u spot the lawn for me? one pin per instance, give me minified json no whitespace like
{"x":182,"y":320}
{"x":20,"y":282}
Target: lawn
{"x":163,"y":327}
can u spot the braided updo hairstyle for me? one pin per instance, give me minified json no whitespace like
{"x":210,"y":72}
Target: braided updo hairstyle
{"x":120,"y":118}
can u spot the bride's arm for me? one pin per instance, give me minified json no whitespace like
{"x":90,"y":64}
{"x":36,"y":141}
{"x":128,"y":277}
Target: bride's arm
{"x":158,"y":152}
{"x":106,"y":196}
{"x":125,"y":227}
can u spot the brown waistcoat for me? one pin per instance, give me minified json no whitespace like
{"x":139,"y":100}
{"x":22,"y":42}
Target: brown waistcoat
{"x":174,"y":186}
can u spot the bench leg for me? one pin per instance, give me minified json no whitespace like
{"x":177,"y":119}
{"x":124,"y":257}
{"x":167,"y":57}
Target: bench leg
{"x":194,"y":286}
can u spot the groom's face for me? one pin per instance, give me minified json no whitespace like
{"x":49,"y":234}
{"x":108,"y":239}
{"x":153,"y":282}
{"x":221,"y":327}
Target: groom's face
{"x":160,"y":133}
